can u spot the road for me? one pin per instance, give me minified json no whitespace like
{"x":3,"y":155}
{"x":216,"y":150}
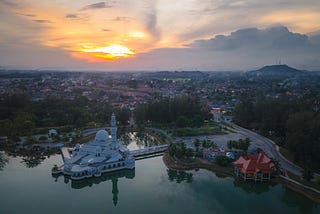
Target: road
{"x":258,"y":141}
{"x":271,"y":149}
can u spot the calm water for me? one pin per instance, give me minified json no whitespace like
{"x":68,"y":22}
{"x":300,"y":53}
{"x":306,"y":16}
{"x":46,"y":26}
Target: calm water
{"x":138,"y":140}
{"x":150,"y":188}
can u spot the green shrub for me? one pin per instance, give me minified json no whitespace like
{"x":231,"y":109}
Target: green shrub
{"x":223,"y":160}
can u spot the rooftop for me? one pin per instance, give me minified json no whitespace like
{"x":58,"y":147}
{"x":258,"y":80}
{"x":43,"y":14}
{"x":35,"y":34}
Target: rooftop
{"x":254,"y":163}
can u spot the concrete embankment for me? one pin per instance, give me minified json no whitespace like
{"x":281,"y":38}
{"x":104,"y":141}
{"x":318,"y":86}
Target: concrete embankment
{"x":307,"y":191}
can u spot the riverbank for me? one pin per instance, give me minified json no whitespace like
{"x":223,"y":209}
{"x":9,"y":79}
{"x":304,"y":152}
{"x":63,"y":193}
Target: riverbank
{"x":295,"y":186}
{"x":175,"y":164}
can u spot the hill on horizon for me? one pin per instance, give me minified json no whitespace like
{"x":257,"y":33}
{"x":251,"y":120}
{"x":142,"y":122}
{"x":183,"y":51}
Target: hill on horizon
{"x":278,"y":70}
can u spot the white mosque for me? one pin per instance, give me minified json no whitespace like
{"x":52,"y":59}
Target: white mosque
{"x":103,"y":154}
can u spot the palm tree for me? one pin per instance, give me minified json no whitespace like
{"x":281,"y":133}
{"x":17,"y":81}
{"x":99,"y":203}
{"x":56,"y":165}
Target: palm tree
{"x":196,"y":144}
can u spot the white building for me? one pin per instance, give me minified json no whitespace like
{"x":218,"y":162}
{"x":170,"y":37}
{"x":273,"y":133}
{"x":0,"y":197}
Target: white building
{"x":217,"y":115}
{"x":103,"y":154}
{"x":52,"y":132}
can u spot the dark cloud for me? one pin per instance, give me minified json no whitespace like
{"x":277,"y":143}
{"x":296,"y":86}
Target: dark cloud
{"x":42,"y":21}
{"x":243,"y":49}
{"x":72,"y":16}
{"x":151,"y":24}
{"x":28,"y":15}
{"x":315,"y":39}
{"x":105,"y":30}
{"x":98,"y":5}
{"x":271,"y":38}
{"x":150,"y":13}
{"x":10,"y":4}
{"x":80,"y":17}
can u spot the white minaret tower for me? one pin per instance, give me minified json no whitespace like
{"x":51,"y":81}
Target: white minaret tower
{"x":114,"y":140}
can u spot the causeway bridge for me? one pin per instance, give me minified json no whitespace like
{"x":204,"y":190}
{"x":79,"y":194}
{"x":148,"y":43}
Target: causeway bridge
{"x":149,"y":151}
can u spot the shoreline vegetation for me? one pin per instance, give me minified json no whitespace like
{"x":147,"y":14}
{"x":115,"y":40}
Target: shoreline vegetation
{"x":180,"y":165}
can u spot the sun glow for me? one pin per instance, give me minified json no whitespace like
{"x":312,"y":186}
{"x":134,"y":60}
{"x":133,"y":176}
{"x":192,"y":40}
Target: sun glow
{"x":109,"y":52}
{"x":137,"y":34}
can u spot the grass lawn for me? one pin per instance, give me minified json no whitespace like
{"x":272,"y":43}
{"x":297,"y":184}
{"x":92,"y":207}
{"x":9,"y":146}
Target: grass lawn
{"x":221,"y":170}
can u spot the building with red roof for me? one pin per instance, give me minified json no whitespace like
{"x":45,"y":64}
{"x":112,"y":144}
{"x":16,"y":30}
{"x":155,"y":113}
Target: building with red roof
{"x":254,"y":167}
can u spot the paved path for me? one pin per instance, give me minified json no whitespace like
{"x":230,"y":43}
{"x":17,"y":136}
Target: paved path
{"x":272,"y":149}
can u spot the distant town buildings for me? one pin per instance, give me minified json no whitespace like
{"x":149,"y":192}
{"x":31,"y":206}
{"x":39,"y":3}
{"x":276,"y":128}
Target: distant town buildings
{"x":52,"y":132}
{"x":217,"y":115}
{"x":129,"y":89}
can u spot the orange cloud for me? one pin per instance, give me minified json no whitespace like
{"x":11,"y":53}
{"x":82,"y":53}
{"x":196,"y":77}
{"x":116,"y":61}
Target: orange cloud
{"x":302,"y":21}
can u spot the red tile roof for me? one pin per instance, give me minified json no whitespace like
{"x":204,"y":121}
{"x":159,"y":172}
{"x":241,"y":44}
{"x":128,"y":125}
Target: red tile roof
{"x":252,"y":164}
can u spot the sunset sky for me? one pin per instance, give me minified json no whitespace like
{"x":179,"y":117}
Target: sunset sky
{"x":159,"y":35}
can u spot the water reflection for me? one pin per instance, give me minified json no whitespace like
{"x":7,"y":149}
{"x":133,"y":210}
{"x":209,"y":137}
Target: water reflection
{"x":113,"y":176}
{"x":293,"y":199}
{"x":252,"y":187}
{"x":155,"y":190}
{"x":32,"y":161}
{"x":179,"y":176}
{"x":138,"y":140}
{"x":31,"y":158}
{"x":3,"y":160}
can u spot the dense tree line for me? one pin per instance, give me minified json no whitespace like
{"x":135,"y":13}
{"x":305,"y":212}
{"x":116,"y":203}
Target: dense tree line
{"x":242,"y":144}
{"x":180,"y":150}
{"x":292,"y":122}
{"x":182,"y":111}
{"x":19,"y":115}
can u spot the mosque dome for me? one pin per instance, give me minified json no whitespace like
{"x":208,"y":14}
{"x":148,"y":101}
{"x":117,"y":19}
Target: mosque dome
{"x":102,"y":136}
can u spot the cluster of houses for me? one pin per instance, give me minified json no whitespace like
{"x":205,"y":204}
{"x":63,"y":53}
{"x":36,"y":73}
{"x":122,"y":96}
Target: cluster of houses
{"x":212,"y":153}
{"x":219,"y":112}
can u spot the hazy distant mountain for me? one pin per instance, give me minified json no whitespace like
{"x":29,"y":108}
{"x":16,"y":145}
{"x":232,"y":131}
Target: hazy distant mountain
{"x":276,"y":70}
{"x":178,"y":74}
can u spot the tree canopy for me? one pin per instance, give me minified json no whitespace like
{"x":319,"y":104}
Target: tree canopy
{"x":292,"y":122}
{"x":19,"y":115}
{"x":182,"y":111}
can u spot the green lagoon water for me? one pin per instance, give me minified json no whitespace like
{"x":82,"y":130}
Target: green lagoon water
{"x":150,"y":188}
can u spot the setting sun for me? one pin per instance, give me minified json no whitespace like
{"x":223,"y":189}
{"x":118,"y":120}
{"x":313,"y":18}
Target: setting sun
{"x":110,"y":52}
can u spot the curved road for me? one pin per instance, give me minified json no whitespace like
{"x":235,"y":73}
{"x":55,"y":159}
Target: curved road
{"x":273,"y":149}
{"x":269,"y":146}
